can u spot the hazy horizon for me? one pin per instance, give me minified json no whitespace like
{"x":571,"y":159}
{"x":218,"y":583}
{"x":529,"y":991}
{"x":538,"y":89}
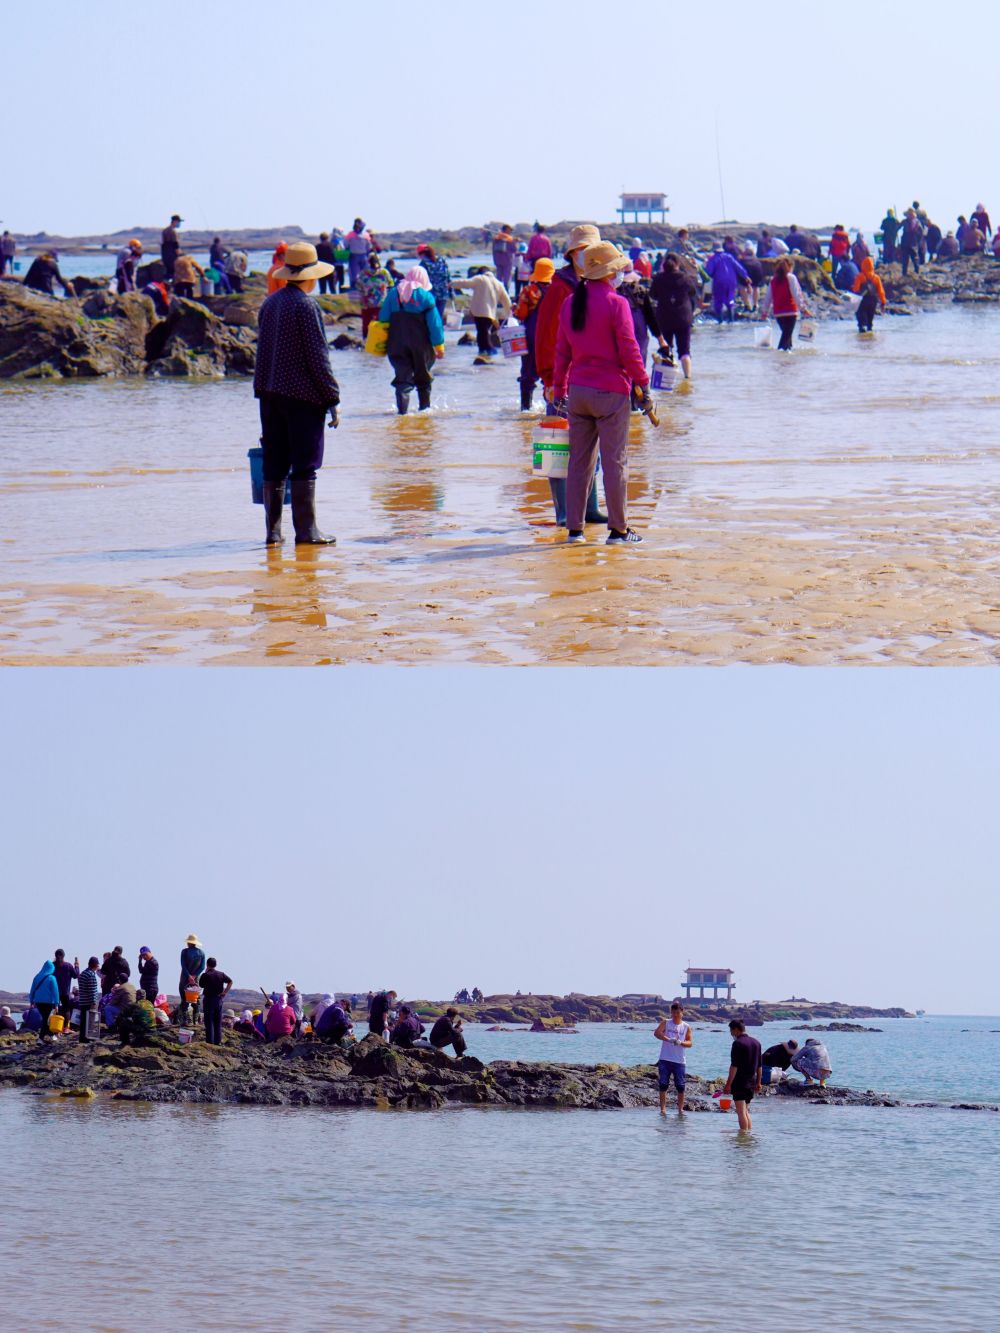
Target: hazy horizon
{"x":543,"y":113}
{"x":826,"y":834}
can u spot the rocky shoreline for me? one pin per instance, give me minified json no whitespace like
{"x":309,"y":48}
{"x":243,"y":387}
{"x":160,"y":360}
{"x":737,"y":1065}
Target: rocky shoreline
{"x":369,"y":1074}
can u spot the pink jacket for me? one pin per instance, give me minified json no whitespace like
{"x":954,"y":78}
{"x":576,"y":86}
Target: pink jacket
{"x":539,"y":247}
{"x":604,"y":354}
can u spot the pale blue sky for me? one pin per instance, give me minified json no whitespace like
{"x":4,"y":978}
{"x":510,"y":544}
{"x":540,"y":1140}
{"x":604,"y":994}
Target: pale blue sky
{"x":446,"y":114}
{"x":824,"y":833}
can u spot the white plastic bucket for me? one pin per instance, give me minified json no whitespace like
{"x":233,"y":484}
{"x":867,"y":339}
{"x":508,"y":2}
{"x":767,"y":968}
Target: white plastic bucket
{"x":513,"y":340}
{"x":662,"y":377}
{"x":807,"y":330}
{"x":550,"y":449}
{"x":185,"y":1035}
{"x":763,"y":336}
{"x":452,"y":318}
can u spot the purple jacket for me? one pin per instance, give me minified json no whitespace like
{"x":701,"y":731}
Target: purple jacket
{"x":604,"y":354}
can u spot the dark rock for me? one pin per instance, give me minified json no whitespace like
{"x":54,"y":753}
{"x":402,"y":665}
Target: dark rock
{"x":192,"y":341}
{"x":344,"y":340}
{"x":833,"y":1027}
{"x":43,"y":336}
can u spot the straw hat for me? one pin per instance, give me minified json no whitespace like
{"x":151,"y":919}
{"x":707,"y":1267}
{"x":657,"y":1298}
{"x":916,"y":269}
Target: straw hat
{"x":543,"y":271}
{"x":582,"y":236}
{"x":601,"y":260}
{"x":301,"y":264}
{"x":193,"y":939}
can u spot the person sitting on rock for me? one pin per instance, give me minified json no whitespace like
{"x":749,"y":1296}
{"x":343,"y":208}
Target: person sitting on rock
{"x":447,"y":1031}
{"x":294,"y":998}
{"x":121,"y":998}
{"x":280,"y":1019}
{"x":136,"y":1022}
{"x":949,"y":247}
{"x":973,"y":240}
{"x":778,"y":1057}
{"x":334,"y":1024}
{"x":407,"y":1029}
{"x":44,"y":273}
{"x":813,"y":1062}
{"x":31,"y":1019}
{"x":7,"y":1023}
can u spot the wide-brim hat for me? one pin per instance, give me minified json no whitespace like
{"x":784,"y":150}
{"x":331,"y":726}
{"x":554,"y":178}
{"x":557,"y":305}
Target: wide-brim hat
{"x":601,"y":260}
{"x":301,"y":264}
{"x":544,"y":271}
{"x":193,"y":939}
{"x":582,"y":236}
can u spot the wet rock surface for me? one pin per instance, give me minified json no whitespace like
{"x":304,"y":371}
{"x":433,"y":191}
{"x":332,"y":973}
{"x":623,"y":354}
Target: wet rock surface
{"x":834,"y":1027}
{"x":370,"y":1073}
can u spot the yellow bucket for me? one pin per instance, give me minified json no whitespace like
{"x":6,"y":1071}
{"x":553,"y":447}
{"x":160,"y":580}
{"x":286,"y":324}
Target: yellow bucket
{"x":56,"y":1022}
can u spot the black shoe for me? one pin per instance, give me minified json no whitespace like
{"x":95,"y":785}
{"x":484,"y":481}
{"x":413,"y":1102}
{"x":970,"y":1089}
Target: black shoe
{"x":274,"y":499}
{"x":304,"y":516}
{"x":615,"y":538}
{"x":575,"y":535}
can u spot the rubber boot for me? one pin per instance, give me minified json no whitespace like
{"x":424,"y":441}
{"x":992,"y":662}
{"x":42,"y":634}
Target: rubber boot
{"x":402,"y":401}
{"x":423,"y":397}
{"x":557,"y":485}
{"x":594,"y":514}
{"x":304,"y":516}
{"x":527,"y":394}
{"x":274,"y":499}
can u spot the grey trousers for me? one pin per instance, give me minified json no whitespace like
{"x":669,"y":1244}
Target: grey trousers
{"x":597,"y":417}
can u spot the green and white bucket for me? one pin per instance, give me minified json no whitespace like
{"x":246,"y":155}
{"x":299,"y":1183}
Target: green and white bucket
{"x":550,"y":448}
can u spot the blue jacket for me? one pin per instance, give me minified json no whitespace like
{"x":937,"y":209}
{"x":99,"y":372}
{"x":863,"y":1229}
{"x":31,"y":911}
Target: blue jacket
{"x":45,"y":988}
{"x":422,"y":302}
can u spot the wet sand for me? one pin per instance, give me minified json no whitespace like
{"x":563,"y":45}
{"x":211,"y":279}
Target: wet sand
{"x":833,"y":507}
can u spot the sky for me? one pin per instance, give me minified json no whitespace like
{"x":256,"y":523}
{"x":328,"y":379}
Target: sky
{"x":445,"y":115}
{"x":828,"y":834}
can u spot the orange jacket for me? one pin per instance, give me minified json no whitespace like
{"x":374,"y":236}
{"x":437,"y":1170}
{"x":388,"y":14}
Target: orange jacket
{"x":868,"y":274}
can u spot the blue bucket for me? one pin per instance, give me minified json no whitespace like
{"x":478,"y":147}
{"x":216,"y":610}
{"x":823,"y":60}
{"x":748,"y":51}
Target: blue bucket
{"x":256,"y":457}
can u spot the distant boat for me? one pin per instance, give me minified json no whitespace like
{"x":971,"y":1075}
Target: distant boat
{"x":921,"y":1013}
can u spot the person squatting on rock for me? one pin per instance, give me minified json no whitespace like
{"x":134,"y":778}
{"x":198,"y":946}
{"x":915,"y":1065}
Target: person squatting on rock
{"x":447,"y":1031}
{"x":295,"y":386}
{"x":597,"y":366}
{"x":416,"y":338}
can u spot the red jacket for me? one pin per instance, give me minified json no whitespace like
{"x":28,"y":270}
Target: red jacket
{"x":840,"y":243}
{"x":547,"y":326}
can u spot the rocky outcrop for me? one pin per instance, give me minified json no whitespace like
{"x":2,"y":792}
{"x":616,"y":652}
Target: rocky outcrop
{"x":833,"y":1027}
{"x":193,"y":341}
{"x":370,"y":1073}
{"x":967,"y":280}
{"x":45,"y":338}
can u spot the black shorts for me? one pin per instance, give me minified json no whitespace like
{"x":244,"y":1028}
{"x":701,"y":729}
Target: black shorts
{"x":742,"y":1093}
{"x":681,"y":336}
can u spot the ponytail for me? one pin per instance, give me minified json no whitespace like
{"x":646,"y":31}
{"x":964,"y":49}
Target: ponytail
{"x":578,"y":309}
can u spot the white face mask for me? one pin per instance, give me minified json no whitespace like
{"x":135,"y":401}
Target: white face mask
{"x":618,"y":279}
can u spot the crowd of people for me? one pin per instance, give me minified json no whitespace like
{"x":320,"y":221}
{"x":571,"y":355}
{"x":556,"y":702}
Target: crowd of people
{"x":104,"y":999}
{"x":750,"y":1068}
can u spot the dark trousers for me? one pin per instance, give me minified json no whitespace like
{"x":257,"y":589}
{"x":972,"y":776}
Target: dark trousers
{"x":6,"y":262}
{"x":328,"y":284}
{"x":412,"y":367}
{"x":909,"y":256}
{"x":888,"y":252}
{"x":786,"y":323}
{"x":236,"y":281}
{"x":45,"y":1010}
{"x":866,"y":313}
{"x":484,"y":334}
{"x":528,"y":377}
{"x":86,"y":1019}
{"x":184,"y":289}
{"x":213,"y":1019}
{"x":292,"y":434}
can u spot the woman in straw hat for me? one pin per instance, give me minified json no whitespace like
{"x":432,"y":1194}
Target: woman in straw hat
{"x":294,"y":382}
{"x":416,"y":337}
{"x":598,"y":364}
{"x":561,"y":288}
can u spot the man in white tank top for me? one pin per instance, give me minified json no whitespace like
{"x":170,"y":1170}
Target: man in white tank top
{"x":674,"y":1036}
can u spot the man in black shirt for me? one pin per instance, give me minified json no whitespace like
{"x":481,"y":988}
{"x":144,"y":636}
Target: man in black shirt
{"x":744,"y":1072}
{"x":66,"y":974}
{"x":380,"y":1007}
{"x":294,"y":382}
{"x":215,"y":986}
{"x":447,"y":1031}
{"x":777,"y":1057}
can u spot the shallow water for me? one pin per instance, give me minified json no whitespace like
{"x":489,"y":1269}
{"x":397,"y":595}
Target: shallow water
{"x":257,"y":1219}
{"x":834,"y":506}
{"x":941,"y":1058}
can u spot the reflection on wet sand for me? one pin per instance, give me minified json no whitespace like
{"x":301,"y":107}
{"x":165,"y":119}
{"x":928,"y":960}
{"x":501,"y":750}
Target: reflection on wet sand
{"x":788,"y":518}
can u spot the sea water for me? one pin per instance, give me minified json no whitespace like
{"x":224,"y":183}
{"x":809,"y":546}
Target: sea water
{"x":835,"y":505}
{"x":119,"y":1216}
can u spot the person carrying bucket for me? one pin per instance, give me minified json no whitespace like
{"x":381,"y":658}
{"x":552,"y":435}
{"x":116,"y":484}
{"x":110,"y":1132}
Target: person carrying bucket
{"x":192,"y":966}
{"x":784,"y":297}
{"x":561,"y":288}
{"x":294,"y":384}
{"x":44,"y":995}
{"x":416,"y":338}
{"x":526,"y":311}
{"x":597,"y":365}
